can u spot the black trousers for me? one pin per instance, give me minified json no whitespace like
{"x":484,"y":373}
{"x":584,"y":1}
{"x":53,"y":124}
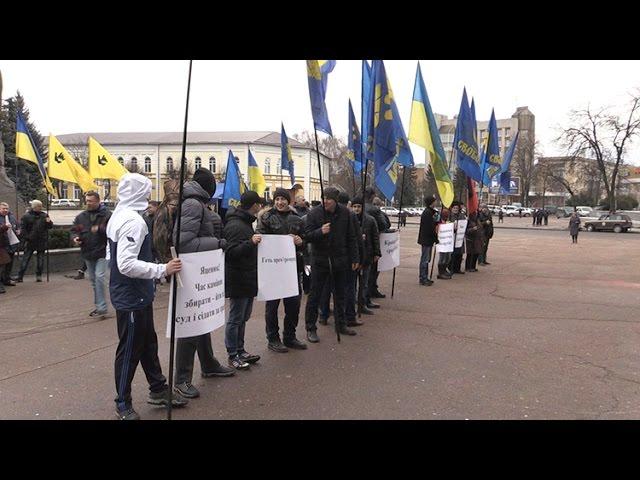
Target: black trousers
{"x":456,"y":260}
{"x":5,"y":270}
{"x":138,"y":343}
{"x":186,"y":349}
{"x":471,"y":261}
{"x":485,"y":247}
{"x":291,"y":314}
{"x":373,"y":279}
{"x":319,"y":278}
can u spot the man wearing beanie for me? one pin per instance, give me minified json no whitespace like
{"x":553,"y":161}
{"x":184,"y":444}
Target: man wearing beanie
{"x":370,"y":253}
{"x":241,"y":275}
{"x":332,"y":236}
{"x":427,"y":237}
{"x":200,"y":231}
{"x":284,"y":220}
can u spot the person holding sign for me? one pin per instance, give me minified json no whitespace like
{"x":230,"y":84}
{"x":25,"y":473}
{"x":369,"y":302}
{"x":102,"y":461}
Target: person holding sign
{"x":241,"y":275}
{"x":284,"y":220}
{"x":132,"y":291}
{"x":427,"y":237}
{"x":200,"y":231}
{"x":458,"y":252}
{"x":332,"y":236}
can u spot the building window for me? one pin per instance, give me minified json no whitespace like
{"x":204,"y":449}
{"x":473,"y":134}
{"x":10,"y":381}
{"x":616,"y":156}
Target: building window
{"x":267,"y":165}
{"x":267,"y":193}
{"x":121,"y":160}
{"x":147,"y":165}
{"x":76,"y":192}
{"x":169,"y":164}
{"x":212,"y":164}
{"x":279,"y":166}
{"x":134,"y":164}
{"x":198,"y":163}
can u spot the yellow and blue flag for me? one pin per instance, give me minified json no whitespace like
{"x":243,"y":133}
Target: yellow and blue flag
{"x":286,"y":162}
{"x":423,"y":131}
{"x":62,"y":166}
{"x":26,"y":150}
{"x":505,"y":173}
{"x":354,"y":144}
{"x":491,"y":162}
{"x":232,"y":184}
{"x":256,"y":179}
{"x":389,"y":146}
{"x":317,"y":75}
{"x":465,"y":141}
{"x":102,"y":164}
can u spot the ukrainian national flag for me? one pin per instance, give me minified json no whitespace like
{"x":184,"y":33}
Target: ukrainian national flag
{"x":63,"y":167}
{"x":317,"y":74}
{"x":26,"y":150}
{"x":102,"y":164}
{"x":423,"y":131}
{"x":256,"y":179}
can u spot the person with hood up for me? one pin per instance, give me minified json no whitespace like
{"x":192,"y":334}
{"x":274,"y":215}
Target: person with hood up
{"x":132,"y":290}
{"x":200,"y":231}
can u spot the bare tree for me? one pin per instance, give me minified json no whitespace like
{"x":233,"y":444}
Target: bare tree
{"x":605,"y":136}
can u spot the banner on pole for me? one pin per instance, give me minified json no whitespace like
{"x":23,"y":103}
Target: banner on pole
{"x":390,"y":248}
{"x":445,"y":238}
{"x":462,"y":228}
{"x":277,"y":268}
{"x":200,"y":302}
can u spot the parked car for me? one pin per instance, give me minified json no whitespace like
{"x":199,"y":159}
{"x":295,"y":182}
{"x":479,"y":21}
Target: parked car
{"x":391,"y":211}
{"x":585,"y":211}
{"x":615,"y":222}
{"x":510,"y":210}
{"x":65,"y":202}
{"x":564,"y":212}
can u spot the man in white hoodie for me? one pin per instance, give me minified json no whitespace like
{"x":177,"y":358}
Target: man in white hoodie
{"x":132,"y":290}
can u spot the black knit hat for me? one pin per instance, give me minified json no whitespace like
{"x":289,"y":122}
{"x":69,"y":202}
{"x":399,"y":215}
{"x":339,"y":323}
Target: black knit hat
{"x":249,"y":198}
{"x":357,"y":200}
{"x":206,"y":180}
{"x":343,"y":198}
{"x":281,"y":192}
{"x":331,"y":193}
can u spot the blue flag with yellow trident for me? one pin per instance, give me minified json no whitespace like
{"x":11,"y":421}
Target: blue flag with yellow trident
{"x":465,"y":141}
{"x":318,"y":74}
{"x":286,"y":162}
{"x":505,"y":173}
{"x":354,"y":144}
{"x":232,"y":187}
{"x":491,"y":163}
{"x":389,"y":146}
{"x":26,"y":150}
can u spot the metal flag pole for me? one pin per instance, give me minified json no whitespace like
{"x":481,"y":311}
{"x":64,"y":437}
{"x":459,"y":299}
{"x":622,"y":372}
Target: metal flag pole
{"x":46,"y":237}
{"x":404,"y":172}
{"x":174,"y":283}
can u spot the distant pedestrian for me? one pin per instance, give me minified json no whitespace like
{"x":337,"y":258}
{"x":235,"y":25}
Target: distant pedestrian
{"x":574,"y":227}
{"x":534,"y":216}
{"x":545,"y":214}
{"x":501,"y":216}
{"x":520,"y":213}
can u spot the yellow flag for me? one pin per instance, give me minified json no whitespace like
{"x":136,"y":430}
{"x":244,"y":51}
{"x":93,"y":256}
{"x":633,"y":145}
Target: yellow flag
{"x":102,"y":164}
{"x":63,"y":167}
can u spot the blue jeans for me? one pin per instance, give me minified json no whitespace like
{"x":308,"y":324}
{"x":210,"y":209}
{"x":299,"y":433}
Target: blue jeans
{"x":424,"y":263}
{"x":96,"y":269}
{"x":239,"y":313}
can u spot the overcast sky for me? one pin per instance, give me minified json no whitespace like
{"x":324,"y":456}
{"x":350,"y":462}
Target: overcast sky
{"x":129,"y":96}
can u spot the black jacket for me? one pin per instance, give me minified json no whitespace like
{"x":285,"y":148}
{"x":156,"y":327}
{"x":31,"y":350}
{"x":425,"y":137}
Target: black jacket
{"x":34,"y":230}
{"x":371,"y":242}
{"x":486,"y":221}
{"x":241,"y":255}
{"x":340,"y":243}
{"x":94,"y":245}
{"x":427,"y":235}
{"x":379,"y":216}
{"x":273,"y":222}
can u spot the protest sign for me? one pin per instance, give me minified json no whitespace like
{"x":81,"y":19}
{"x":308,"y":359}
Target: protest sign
{"x":462,"y":228}
{"x":445,"y":238}
{"x":277,"y":268}
{"x":390,"y":248}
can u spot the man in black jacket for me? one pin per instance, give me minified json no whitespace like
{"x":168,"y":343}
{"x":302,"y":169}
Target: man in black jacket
{"x":369,"y":253}
{"x":90,"y":229}
{"x":241,"y":275}
{"x":282,"y":219}
{"x":333,"y":240}
{"x":485,"y":220}
{"x":384,"y":225}
{"x":427,"y":237}
{"x":35,"y":225}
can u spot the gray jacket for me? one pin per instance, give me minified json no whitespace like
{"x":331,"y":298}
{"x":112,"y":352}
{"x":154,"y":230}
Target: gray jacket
{"x":200,"y":228}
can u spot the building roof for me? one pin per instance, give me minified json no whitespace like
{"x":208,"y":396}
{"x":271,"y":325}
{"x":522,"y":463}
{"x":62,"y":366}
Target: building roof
{"x":175,"y":138}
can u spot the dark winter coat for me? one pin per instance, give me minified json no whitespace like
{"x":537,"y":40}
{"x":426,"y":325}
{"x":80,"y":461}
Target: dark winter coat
{"x":474,"y":237}
{"x":339,"y":244}
{"x":379,"y":216}
{"x":371,"y":242}
{"x":94,"y":245}
{"x":302,"y":211}
{"x":200,"y":227}
{"x":241,"y":255}
{"x":273,"y":222}
{"x":427,"y":235}
{"x":574,"y":225}
{"x":487,"y":224}
{"x":34,"y":230}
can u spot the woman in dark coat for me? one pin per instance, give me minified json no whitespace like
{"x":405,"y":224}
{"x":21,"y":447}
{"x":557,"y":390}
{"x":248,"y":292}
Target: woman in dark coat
{"x":574,"y":227}
{"x":475,"y":242}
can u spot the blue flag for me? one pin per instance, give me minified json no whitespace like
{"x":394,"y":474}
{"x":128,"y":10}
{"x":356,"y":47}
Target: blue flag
{"x":465,"y":141}
{"x":491,"y":162}
{"x":317,"y":74}
{"x":287,"y":157}
{"x":354,"y":143}
{"x":366,"y":104}
{"x":473,"y":117}
{"x":231,"y":196}
{"x":389,"y":146}
{"x":505,"y":172}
